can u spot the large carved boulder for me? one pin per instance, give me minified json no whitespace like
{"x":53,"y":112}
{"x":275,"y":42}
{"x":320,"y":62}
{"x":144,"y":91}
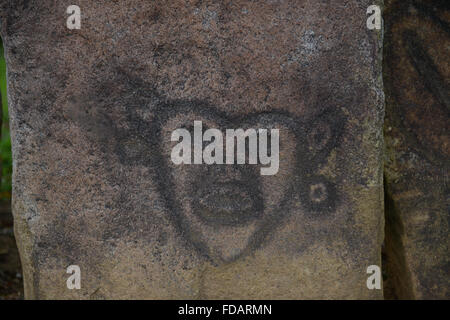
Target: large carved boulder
{"x":92,"y":113}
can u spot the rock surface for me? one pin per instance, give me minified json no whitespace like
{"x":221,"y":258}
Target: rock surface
{"x":91,"y":116}
{"x":417,"y":87}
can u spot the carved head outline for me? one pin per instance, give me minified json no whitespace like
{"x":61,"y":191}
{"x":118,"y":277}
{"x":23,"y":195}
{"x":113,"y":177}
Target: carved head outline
{"x":227,"y":211}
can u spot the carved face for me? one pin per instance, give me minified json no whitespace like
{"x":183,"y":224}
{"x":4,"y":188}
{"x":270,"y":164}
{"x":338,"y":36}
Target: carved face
{"x":226,"y":211}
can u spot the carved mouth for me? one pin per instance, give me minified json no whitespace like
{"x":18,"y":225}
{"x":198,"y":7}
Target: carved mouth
{"x":227,"y":204}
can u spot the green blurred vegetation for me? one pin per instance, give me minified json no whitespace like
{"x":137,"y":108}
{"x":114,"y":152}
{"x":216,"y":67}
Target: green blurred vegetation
{"x":5,"y":141}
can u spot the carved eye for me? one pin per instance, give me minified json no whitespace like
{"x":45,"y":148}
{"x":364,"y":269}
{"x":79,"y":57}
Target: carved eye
{"x":318,"y":195}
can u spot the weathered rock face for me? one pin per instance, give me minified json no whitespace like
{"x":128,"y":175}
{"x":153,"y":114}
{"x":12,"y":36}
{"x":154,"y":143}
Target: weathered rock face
{"x":417,"y":77}
{"x":94,"y":185}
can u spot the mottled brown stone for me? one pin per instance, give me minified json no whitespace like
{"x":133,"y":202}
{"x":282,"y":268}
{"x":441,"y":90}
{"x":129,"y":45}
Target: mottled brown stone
{"x":91,"y":115}
{"x":416,"y":76}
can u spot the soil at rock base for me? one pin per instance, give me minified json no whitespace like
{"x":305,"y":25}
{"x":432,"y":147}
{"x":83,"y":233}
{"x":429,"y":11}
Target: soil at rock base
{"x":11,"y":284}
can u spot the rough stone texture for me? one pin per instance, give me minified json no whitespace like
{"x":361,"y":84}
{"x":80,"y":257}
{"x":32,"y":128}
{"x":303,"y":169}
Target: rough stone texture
{"x":417,"y":74}
{"x":91,"y":115}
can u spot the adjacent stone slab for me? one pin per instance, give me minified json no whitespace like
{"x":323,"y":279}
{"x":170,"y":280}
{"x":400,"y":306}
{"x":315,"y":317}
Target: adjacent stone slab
{"x":91,"y":115}
{"x":417,"y":141}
